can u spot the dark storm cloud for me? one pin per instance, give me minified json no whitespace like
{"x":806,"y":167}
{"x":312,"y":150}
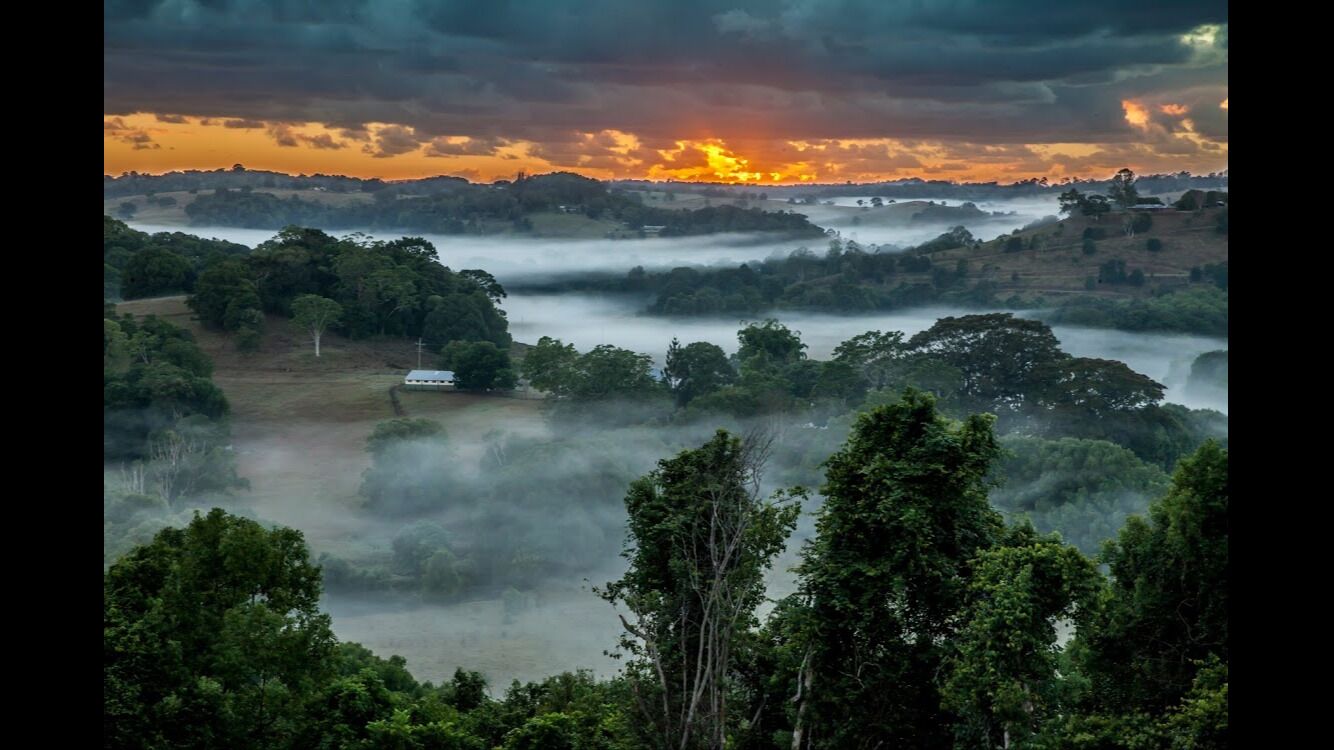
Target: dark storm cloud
{"x":1002,"y":71}
{"x":282,"y":134}
{"x":392,"y":141}
{"x":470,"y":147}
{"x":323,"y":140}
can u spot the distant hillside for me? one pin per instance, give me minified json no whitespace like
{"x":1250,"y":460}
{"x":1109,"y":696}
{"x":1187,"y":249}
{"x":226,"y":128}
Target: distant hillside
{"x":551,"y":205}
{"x":916,"y":188}
{"x":1073,"y":256}
{"x":1142,"y":270}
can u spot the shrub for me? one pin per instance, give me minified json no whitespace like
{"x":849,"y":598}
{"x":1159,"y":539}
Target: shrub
{"x":247,"y":340}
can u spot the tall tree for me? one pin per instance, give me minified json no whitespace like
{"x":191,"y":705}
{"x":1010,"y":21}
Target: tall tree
{"x":884,"y":583}
{"x":700,"y":538}
{"x":1070,"y":201}
{"x":486,"y":282}
{"x":315,"y":314}
{"x":155,"y":270}
{"x":769,"y":342}
{"x":877,"y":356}
{"x":997,"y":355}
{"x":1122,"y":190}
{"x":697,"y":369}
{"x":1095,"y":206}
{"x":216,"y":287}
{"x":478,"y":365}
{"x":1069,"y":396}
{"x":1002,"y":677}
{"x":549,"y":365}
{"x":212,"y":637}
{"x":1168,"y":606}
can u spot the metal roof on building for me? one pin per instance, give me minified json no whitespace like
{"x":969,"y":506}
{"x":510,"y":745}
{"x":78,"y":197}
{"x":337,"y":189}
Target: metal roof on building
{"x":445,"y":375}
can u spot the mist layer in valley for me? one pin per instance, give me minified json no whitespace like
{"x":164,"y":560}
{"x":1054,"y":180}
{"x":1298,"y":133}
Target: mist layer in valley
{"x":891,"y":224}
{"x":511,"y":260}
{"x":510,"y":488}
{"x":592,"y":320}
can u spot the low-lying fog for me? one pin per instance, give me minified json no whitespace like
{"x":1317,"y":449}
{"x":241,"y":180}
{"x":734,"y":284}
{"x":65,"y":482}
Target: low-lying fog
{"x":565,"y":626}
{"x":588,"y":321}
{"x":874,"y":226}
{"x":510,"y":259}
{"x":591,"y":320}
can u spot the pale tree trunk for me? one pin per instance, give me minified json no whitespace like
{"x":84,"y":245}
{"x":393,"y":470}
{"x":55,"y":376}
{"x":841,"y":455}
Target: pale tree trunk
{"x":712,"y":552}
{"x":802,"y":698}
{"x":172,"y":471}
{"x":133,"y":477}
{"x":317,"y":343}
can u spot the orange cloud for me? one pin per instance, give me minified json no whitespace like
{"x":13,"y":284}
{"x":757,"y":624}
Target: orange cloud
{"x":1176,"y":110}
{"x":713,"y":161}
{"x":1136,"y":114}
{"x":143,"y":142}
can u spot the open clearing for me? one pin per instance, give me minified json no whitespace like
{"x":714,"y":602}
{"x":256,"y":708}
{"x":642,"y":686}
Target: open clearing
{"x":299,"y":424}
{"x":299,"y":428}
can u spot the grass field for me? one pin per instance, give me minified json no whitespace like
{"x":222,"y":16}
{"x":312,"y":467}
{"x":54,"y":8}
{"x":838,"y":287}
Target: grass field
{"x":1058,"y":265}
{"x":299,"y":429}
{"x":299,"y":424}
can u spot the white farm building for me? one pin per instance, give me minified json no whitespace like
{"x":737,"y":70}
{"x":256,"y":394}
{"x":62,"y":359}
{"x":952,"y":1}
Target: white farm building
{"x":429,"y":380}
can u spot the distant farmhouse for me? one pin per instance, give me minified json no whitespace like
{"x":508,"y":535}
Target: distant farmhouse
{"x":1151,"y":203}
{"x":429,"y":380}
{"x":652,"y":229}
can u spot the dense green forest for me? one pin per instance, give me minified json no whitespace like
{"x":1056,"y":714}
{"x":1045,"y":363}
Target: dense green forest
{"x":164,"y":421}
{"x":464,"y":208}
{"x":395,"y":288}
{"x":921,"y":619}
{"x":136,"y":264}
{"x":977,"y":494}
{"x":1087,"y":442}
{"x":845,"y":279}
{"x":1201,"y":308}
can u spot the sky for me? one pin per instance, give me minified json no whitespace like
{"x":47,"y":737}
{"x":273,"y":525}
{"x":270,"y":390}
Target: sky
{"x":742,"y":91}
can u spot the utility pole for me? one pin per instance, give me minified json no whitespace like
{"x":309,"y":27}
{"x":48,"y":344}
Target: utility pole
{"x":419,"y":353}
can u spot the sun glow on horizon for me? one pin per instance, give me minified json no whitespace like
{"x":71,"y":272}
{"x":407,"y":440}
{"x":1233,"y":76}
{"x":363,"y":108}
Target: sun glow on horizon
{"x":158,"y":143}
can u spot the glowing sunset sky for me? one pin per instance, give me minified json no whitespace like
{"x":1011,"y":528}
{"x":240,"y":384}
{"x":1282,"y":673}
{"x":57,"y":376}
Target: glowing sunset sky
{"x":761,"y":92}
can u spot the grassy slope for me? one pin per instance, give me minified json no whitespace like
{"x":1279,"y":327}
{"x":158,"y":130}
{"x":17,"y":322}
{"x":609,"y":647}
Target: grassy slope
{"x":300,"y":424}
{"x":1058,"y":267}
{"x":299,"y":428}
